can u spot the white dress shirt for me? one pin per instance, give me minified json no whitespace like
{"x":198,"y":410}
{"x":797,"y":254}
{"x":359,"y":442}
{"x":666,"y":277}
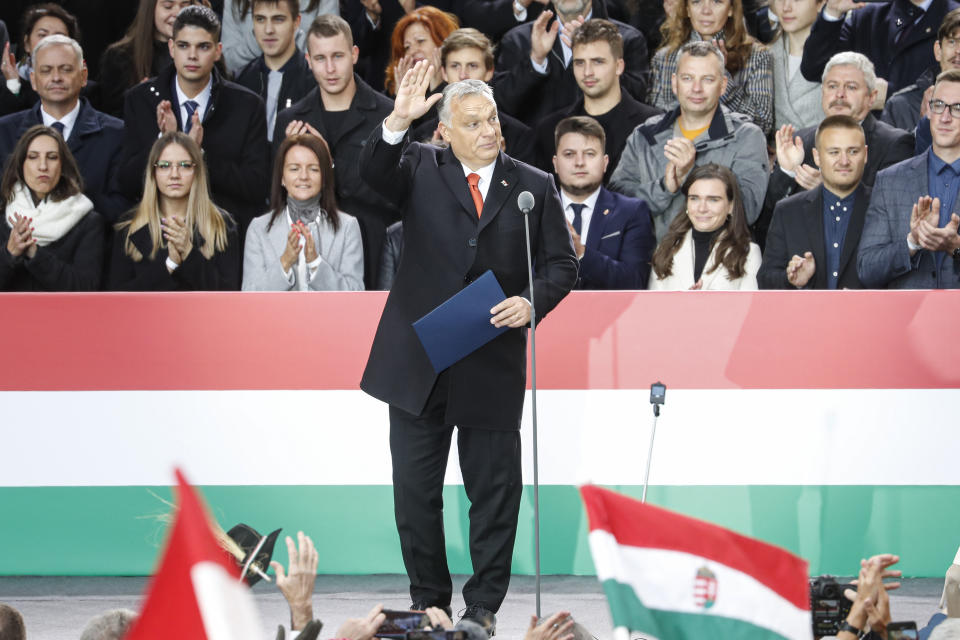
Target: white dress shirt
{"x":67,"y":121}
{"x":585,"y":216}
{"x":202,"y":99}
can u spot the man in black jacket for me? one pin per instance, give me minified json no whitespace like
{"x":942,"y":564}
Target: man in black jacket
{"x":280,"y":75}
{"x":535,"y":73}
{"x":344,"y":110}
{"x":94,"y":138}
{"x":225,"y":119}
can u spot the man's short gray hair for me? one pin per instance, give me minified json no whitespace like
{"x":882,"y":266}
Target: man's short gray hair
{"x":853,"y":59}
{"x":701,"y":49}
{"x":57,"y":38}
{"x":112,"y":625}
{"x":458,"y":91}
{"x":949,"y":629}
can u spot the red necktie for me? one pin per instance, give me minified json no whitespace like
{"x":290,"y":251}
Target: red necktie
{"x":473,"y":179}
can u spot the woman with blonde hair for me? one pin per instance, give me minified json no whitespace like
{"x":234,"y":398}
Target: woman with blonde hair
{"x":176,"y":239}
{"x":418,"y":36}
{"x":749,"y":65}
{"x":708,"y":246}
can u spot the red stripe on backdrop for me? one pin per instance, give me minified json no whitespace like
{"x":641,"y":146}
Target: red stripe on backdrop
{"x":593,"y":340}
{"x":634,"y":524}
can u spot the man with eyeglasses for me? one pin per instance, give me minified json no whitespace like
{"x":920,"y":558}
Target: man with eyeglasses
{"x":910,"y":238}
{"x":227,"y":121}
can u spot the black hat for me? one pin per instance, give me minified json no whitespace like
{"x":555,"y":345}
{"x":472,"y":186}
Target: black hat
{"x":248,"y":539}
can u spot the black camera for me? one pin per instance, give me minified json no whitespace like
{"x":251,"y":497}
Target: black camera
{"x":828,"y":606}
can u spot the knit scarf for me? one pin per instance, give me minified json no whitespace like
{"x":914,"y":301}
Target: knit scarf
{"x":51,"y":220}
{"x":305,"y":210}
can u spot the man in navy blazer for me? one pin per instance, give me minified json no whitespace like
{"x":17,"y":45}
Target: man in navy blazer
{"x":612,"y":234}
{"x":910,"y":236}
{"x":461,"y":218}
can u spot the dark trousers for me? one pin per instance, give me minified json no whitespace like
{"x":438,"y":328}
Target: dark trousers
{"x":490,"y":465}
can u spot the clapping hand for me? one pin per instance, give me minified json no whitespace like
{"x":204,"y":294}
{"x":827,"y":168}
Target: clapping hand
{"x":925,"y":229}
{"x":166,"y":121}
{"x":309,"y":248}
{"x":8,"y":64}
{"x":801,"y":269}
{"x":21,"y":240}
{"x":178,"y":237}
{"x":291,"y":250}
{"x":568,"y":29}
{"x":789,"y":148}
{"x":680,"y":154}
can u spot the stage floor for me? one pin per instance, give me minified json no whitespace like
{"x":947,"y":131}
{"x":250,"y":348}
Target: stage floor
{"x":58,"y":608}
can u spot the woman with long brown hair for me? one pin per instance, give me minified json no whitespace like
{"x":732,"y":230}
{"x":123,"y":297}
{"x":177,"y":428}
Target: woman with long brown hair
{"x":418,"y":36}
{"x":708,"y":246}
{"x":176,"y":239}
{"x":749,"y":64}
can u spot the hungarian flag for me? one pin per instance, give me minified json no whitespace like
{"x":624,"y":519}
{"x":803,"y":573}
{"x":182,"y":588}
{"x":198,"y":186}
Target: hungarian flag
{"x":196,"y":593}
{"x":673,"y":577}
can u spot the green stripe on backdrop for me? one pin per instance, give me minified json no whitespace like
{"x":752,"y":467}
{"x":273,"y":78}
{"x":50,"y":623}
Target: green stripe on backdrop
{"x":110,"y":531}
{"x":627,"y":611}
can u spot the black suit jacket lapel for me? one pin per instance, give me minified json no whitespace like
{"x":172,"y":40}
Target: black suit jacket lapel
{"x":502,"y":185}
{"x":452,"y":172}
{"x":851,"y":240}
{"x":814,"y":226}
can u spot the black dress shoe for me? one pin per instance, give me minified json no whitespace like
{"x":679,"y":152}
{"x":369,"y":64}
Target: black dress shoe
{"x":482,"y":616}
{"x":422,"y":606}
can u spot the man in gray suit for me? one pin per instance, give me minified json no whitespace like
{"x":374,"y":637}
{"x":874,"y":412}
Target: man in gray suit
{"x":910,"y":236}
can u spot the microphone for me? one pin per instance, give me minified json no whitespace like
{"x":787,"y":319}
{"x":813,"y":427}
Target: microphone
{"x":525,"y":201}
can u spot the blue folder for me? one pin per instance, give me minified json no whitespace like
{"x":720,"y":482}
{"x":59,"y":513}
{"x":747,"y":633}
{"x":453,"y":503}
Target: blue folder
{"x":461,"y":325}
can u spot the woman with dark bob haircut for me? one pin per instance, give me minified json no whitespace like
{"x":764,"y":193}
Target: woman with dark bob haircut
{"x":51,"y":238}
{"x":305,"y":243}
{"x":708,"y":246}
{"x":176,"y":239}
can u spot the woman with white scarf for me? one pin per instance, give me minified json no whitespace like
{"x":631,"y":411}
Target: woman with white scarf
{"x":305,"y":243}
{"x":52,"y":239}
{"x":176,"y":239}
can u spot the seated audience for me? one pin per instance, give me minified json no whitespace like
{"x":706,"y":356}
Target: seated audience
{"x":279,"y":75}
{"x":52,"y":239}
{"x":305,"y":243}
{"x":110,"y":625}
{"x":418,"y":36}
{"x":905,"y":107}
{"x":848,"y":88}
{"x":813,"y":239}
{"x":748,"y":66}
{"x":896,"y":36}
{"x":612,"y":234}
{"x":39,"y":21}
{"x":597,"y":67}
{"x":226,"y":120}
{"x":11,"y":624}
{"x":343,"y":110}
{"x":796,"y":100}
{"x":94,"y":138}
{"x":141,"y":54}
{"x":468,"y":54}
{"x":709,"y":247}
{"x":910,"y":236}
{"x":535,"y":74}
{"x":176,"y":239}
{"x":661,"y":152}
{"x":240,"y":44}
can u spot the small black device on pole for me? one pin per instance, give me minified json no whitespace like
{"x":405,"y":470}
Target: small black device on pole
{"x":658,"y":396}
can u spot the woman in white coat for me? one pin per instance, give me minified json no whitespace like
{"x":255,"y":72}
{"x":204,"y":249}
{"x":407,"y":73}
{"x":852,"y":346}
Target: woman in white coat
{"x":709,"y":247}
{"x":305,"y":243}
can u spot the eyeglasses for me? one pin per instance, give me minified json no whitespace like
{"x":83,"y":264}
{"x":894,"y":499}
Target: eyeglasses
{"x":938,"y":107}
{"x":184,"y":165}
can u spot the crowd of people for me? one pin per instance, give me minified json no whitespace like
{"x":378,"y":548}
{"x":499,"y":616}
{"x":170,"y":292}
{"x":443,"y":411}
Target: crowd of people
{"x":695,"y":144}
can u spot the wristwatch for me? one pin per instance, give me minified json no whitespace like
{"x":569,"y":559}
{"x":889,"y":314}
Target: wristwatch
{"x":956,"y":254}
{"x":846,"y":626}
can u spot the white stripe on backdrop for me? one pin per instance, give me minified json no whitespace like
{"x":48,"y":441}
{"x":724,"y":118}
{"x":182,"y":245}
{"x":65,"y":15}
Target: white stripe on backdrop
{"x":713,"y":437}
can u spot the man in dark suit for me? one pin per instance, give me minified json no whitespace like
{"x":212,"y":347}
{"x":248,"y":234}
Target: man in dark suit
{"x":597,"y":67}
{"x":344,"y":110}
{"x":849,"y":88}
{"x":612,"y":234}
{"x":225,"y":119}
{"x":460,"y":220}
{"x":535,"y":76}
{"x":94,"y":138}
{"x":910,"y":238}
{"x":279,"y":75}
{"x":813,"y":239}
{"x":896,"y":36}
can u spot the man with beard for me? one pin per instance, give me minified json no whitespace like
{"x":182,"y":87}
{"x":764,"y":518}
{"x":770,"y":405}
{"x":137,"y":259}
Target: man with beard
{"x":612,"y":234}
{"x":814,"y":235}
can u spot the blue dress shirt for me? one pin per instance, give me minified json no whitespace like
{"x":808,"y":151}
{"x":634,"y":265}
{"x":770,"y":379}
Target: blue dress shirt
{"x":836,"y":218}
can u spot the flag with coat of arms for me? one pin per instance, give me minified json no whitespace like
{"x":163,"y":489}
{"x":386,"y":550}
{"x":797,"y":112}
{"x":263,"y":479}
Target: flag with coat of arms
{"x":672,"y":577}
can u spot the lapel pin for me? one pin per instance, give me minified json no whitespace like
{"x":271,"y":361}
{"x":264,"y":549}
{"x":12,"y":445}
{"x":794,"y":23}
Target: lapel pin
{"x":928,"y":29}
{"x":606,"y":211}
{"x":504,"y":183}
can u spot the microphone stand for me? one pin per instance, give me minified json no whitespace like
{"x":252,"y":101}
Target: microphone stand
{"x":533,"y":388}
